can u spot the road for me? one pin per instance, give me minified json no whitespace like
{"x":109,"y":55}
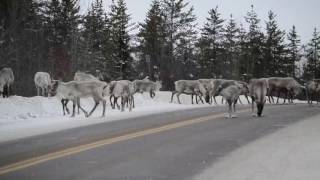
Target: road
{"x":170,"y":146}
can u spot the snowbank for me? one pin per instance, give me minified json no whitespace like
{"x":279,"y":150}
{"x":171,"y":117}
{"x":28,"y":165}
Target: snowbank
{"x":288,"y":154}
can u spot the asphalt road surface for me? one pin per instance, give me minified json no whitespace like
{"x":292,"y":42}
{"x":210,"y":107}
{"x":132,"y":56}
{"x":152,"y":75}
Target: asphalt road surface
{"x":169,"y":146}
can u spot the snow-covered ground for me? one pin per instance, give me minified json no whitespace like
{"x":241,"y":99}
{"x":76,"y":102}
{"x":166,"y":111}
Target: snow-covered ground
{"x":294,"y":156}
{"x":22,"y":116}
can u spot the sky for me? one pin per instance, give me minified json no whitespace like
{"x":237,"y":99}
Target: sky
{"x":305,"y":15}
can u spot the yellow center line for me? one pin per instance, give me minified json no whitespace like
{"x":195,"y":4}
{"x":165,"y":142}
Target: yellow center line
{"x":81,"y":148}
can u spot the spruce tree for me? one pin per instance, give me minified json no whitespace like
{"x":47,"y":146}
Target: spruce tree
{"x":211,"y":40}
{"x":274,"y":49}
{"x":62,"y":21}
{"x":180,"y":33}
{"x":311,"y":69}
{"x":95,"y":37}
{"x":152,"y":41}
{"x":255,"y":39}
{"x":231,"y":49}
{"x":243,"y":53}
{"x":22,"y":43}
{"x":293,"y":47}
{"x":121,"y":63}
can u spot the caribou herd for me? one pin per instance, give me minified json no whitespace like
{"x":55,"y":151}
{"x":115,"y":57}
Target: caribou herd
{"x":85,"y":85}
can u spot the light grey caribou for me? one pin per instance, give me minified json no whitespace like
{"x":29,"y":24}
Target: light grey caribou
{"x":258,"y":89}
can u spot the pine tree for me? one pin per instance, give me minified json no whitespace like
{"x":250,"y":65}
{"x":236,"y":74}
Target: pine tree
{"x":293,"y":47}
{"x":211,"y":40}
{"x":311,"y":69}
{"x":255,"y":39}
{"x":119,"y":25}
{"x":274,"y":49}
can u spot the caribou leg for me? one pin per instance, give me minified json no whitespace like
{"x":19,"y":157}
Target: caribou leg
{"x":178,"y":95}
{"x":79,"y":107}
{"x":73,"y":108}
{"x":104,"y":102}
{"x":192,"y":99}
{"x":229,"y":104}
{"x":252,"y":106}
{"x":201,"y":100}
{"x":63,"y":106}
{"x":94,"y":108}
{"x":215,"y":101}
{"x":173,"y":93}
{"x":247,"y":99}
{"x":111,"y":103}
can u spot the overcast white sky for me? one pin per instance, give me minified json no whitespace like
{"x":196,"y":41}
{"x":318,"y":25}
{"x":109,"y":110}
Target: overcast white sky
{"x":304,"y":14}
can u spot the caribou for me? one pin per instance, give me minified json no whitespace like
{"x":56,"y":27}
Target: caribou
{"x":145,"y":85}
{"x":43,"y":83}
{"x":123,"y":89}
{"x":287,"y":85}
{"x":74,"y":90}
{"x":231,"y":95}
{"x":258,"y":89}
{"x":190,"y":87}
{"x":6,"y":80}
{"x":313,"y":91}
{"x":225,"y":83}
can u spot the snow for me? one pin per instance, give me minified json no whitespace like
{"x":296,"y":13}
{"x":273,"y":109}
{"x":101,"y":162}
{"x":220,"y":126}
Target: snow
{"x":291,"y":153}
{"x":28,"y":116}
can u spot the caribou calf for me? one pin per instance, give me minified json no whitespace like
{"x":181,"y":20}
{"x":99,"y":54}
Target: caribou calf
{"x":231,"y":94}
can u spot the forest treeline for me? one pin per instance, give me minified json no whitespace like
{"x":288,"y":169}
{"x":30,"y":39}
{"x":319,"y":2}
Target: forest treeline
{"x":53,"y":36}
